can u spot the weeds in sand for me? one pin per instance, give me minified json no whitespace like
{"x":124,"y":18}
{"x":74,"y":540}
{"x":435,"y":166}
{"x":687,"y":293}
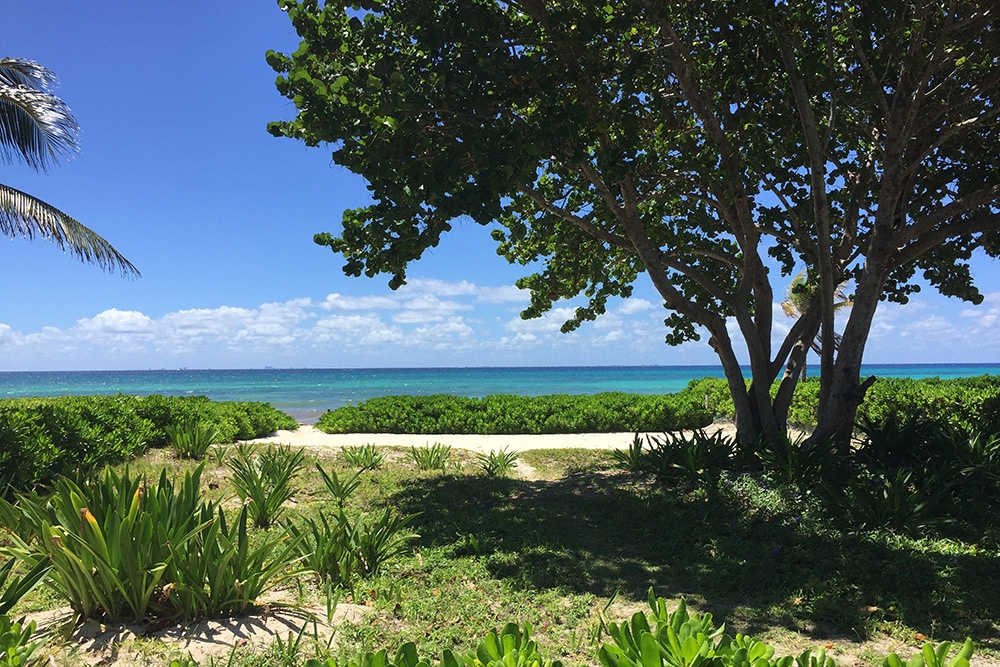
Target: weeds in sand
{"x":191,"y":438}
{"x":498,"y":463}
{"x":219,"y":454}
{"x":341,"y":548}
{"x":433,"y":457}
{"x":264,"y":480}
{"x":340,"y":489}
{"x":630,"y":459}
{"x":365,"y":457}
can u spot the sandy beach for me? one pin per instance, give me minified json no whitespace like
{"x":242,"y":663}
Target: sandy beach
{"x":309,"y":437}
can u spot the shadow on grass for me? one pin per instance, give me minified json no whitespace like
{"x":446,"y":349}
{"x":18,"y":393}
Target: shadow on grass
{"x":600,"y":533}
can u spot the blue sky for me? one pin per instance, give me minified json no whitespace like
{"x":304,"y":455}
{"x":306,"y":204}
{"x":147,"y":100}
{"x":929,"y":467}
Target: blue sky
{"x":179,"y":173}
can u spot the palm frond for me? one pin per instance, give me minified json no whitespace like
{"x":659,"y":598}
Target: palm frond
{"x":24,"y":72}
{"x":35,"y":125}
{"x":27,"y":216}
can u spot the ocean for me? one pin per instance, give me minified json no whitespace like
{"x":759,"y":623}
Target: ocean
{"x":306,"y":393}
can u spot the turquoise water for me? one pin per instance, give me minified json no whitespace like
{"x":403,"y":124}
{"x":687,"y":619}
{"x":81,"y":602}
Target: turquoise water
{"x":306,"y":393}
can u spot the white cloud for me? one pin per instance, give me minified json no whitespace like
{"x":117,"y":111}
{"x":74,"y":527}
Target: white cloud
{"x":429,"y":322}
{"x":634,"y":306}
{"x":115,"y":321}
{"x":985,"y":316}
{"x":507,"y":294}
{"x":339,"y":302}
{"x":440,"y":287}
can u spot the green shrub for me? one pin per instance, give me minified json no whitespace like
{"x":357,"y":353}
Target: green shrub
{"x":508,"y":647}
{"x":326,"y":547}
{"x":221,"y":572}
{"x":502,"y":414}
{"x":894,"y":440}
{"x":631,"y":458}
{"x":16,"y":647}
{"x":46,"y":437}
{"x":933,"y":656}
{"x":900,"y":502}
{"x":379,"y":540}
{"x":702,"y":458}
{"x":679,"y":639}
{"x":340,"y":489}
{"x":973,"y":402}
{"x":793,"y":462}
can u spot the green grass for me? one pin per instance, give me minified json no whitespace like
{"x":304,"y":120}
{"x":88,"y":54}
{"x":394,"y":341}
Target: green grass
{"x":554,"y":551}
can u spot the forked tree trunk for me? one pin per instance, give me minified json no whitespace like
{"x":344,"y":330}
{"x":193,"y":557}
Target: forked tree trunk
{"x":845,"y":390}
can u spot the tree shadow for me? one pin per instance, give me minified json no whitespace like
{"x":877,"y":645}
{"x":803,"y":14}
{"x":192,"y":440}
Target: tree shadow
{"x":598,"y":533}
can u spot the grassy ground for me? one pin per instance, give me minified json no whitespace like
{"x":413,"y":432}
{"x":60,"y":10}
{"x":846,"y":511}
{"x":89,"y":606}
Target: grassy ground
{"x":570,"y":543}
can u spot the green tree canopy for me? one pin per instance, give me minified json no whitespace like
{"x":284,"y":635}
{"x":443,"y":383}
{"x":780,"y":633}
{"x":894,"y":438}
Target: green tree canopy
{"x":685,"y":140}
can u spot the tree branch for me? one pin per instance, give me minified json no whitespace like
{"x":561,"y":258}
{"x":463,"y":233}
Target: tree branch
{"x":918,"y":228}
{"x":585,"y":225}
{"x":979,"y":222}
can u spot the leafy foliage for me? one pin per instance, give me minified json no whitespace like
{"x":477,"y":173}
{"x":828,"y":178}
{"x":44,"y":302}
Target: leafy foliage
{"x":433,"y":457}
{"x":502,"y":414}
{"x":46,"y":437}
{"x":680,"y":639}
{"x":508,"y":647}
{"x":969,"y":402}
{"x":794,"y":461}
{"x":36,"y":127}
{"x":342,"y":549}
{"x":191,"y":439}
{"x":21,"y":586}
{"x":608,"y":141}
{"x":631,"y":458}
{"x":222,"y":572}
{"x":899,"y":502}
{"x":263,"y":479}
{"x":340,"y":489}
{"x":366,"y":457}
{"x":122,"y":548}
{"x":497,"y":463}
{"x":16,"y":647}
{"x":934,"y":656}
{"x":109,"y":542}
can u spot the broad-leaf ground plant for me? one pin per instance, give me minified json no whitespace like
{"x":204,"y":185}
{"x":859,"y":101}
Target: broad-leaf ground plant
{"x":714,"y":146}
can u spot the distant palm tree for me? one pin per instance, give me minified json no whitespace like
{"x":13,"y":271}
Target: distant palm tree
{"x":36,"y":127}
{"x":797,"y":298}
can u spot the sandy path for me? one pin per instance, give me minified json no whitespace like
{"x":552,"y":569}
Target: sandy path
{"x":308,"y":437}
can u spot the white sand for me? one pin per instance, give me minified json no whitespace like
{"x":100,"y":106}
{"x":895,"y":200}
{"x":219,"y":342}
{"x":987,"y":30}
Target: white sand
{"x":308,"y":437}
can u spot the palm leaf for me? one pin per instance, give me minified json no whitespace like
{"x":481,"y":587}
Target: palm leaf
{"x":27,"y":216}
{"x":35,"y":125}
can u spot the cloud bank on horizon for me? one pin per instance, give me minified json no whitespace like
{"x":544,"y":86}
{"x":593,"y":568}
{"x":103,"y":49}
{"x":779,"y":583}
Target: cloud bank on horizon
{"x":433,"y":322}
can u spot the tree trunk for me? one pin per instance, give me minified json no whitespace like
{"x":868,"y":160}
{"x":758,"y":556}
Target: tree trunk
{"x":844,"y":389}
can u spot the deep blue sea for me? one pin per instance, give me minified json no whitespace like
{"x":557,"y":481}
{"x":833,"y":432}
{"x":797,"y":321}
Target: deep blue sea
{"x":306,"y":393}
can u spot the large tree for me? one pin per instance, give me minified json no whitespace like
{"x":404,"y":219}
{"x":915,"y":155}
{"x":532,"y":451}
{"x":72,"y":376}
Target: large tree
{"x":702,"y":143}
{"x":35,"y":128}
